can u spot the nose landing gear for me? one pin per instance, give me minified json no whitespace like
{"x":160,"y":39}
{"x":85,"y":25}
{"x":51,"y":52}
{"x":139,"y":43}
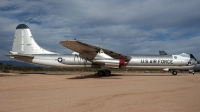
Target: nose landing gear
{"x":174,"y":72}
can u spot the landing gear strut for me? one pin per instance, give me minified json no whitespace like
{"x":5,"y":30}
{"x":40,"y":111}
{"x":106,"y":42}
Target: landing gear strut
{"x":104,"y":72}
{"x":174,"y":72}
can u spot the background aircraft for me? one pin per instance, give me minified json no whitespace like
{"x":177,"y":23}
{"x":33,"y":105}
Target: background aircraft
{"x":26,"y":49}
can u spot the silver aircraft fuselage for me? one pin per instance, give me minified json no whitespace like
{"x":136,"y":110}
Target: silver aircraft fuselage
{"x":165,"y":62}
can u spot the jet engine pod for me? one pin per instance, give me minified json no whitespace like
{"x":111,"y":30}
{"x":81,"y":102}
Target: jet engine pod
{"x":166,"y":69}
{"x":112,"y":63}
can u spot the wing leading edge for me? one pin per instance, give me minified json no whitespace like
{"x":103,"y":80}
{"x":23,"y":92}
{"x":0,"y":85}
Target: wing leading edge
{"x":81,"y":47}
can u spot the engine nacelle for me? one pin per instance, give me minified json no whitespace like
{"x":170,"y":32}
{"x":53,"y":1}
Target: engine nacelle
{"x":112,"y":63}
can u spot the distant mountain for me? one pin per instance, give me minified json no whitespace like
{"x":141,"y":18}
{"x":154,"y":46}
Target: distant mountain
{"x":18,"y":63}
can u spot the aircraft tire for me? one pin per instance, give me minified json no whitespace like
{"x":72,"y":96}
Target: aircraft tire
{"x":174,"y":72}
{"x":100,"y":73}
{"x":107,"y":72}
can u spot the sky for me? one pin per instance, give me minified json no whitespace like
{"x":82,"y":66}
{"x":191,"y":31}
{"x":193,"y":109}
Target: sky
{"x":124,"y":26}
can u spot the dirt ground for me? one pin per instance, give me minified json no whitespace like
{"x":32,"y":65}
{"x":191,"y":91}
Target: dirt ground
{"x":84,"y":92}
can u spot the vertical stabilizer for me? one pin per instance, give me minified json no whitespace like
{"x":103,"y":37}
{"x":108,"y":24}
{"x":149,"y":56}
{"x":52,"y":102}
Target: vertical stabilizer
{"x":24,"y":42}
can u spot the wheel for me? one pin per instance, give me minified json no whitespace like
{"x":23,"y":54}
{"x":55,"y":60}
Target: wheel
{"x":107,"y":72}
{"x":174,"y":72}
{"x":104,"y":72}
{"x":100,"y":73}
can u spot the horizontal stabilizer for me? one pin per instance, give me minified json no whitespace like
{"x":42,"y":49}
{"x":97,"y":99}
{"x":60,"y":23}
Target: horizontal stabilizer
{"x":27,"y":58}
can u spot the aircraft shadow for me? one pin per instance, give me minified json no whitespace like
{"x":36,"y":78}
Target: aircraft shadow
{"x":95,"y":76}
{"x":116,"y":76}
{"x":155,"y":74}
{"x":149,"y":75}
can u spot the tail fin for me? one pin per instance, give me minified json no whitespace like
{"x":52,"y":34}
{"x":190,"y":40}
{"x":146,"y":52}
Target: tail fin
{"x":24,"y":42}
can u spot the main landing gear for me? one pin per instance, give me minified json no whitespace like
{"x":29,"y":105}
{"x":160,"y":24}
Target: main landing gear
{"x":174,"y":72}
{"x":104,"y":72}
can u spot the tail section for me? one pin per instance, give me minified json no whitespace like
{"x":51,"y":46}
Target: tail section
{"x":24,"y":42}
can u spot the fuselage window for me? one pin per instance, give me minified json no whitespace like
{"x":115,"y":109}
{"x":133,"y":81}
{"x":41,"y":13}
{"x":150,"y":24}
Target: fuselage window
{"x":175,"y":57}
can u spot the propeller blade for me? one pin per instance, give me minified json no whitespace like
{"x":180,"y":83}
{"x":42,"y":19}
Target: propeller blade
{"x":191,"y":56}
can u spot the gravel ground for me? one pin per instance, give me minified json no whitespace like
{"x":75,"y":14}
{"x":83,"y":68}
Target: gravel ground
{"x":84,"y":92}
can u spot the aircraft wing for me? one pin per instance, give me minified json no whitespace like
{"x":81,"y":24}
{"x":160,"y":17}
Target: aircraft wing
{"x":81,"y":47}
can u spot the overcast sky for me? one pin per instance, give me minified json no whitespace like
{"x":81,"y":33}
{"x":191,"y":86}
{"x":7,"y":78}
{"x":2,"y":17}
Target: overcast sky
{"x":125,"y":26}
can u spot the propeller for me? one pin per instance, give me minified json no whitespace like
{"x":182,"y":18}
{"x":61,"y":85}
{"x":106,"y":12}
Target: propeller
{"x":191,"y":56}
{"x":196,"y":62}
{"x":76,"y":55}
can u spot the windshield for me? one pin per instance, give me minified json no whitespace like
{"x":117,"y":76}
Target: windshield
{"x":184,"y":55}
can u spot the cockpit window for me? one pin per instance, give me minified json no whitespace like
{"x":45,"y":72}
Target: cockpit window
{"x":184,"y":55}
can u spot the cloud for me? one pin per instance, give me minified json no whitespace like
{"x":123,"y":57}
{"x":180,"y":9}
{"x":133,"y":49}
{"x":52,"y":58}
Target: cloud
{"x":139,"y":26}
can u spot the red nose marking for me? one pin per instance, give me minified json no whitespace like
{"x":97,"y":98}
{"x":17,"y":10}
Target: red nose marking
{"x":121,"y":62}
